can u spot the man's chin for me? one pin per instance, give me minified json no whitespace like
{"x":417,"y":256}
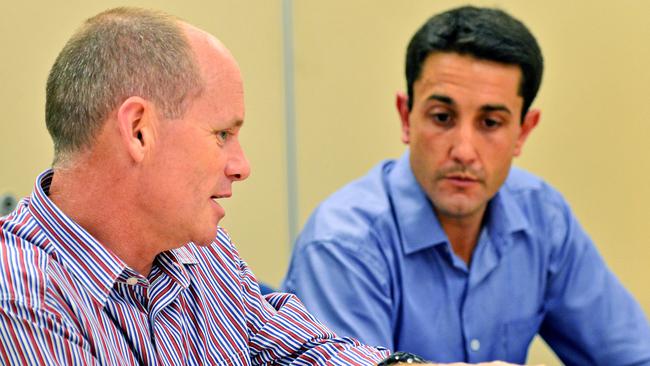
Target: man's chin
{"x":206,"y":239}
{"x":204,"y":242}
{"x":459,"y":209}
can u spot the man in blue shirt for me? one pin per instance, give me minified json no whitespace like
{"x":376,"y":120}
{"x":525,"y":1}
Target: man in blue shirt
{"x":448,"y":252}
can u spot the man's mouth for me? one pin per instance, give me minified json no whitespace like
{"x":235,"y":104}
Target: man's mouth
{"x":462,"y":177}
{"x":462,"y":180}
{"x":220,"y":196}
{"x":217,"y":197}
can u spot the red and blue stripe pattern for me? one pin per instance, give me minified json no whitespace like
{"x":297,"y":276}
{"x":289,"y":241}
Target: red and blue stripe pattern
{"x":67,"y":300}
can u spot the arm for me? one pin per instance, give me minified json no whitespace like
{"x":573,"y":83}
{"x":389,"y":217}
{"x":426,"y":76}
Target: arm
{"x":591,"y":318}
{"x":282,"y":332}
{"x":346,"y":286}
{"x":33,"y":337}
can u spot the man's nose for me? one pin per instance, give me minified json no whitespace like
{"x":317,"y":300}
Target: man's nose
{"x":463,"y":146}
{"x":238,"y":167}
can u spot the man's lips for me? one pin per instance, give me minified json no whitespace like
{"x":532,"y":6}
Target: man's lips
{"x":215,"y":198}
{"x":462,"y":177}
{"x":462,"y":180}
{"x":219,"y":196}
{"x":215,"y":201}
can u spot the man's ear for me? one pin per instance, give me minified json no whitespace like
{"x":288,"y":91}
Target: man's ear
{"x":401,"y":102}
{"x":134,"y":117}
{"x":531,"y":119}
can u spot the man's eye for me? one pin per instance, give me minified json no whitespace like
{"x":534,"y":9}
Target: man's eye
{"x":491,"y":123}
{"x":442,"y":118}
{"x":222,"y":136}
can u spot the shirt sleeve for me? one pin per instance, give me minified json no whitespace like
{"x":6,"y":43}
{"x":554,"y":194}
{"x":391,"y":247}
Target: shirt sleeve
{"x":31,"y":336}
{"x":282,"y":332}
{"x":346,"y":286}
{"x":591,"y":319}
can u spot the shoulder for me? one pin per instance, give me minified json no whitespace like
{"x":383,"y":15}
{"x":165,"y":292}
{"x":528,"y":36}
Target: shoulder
{"x":549,"y":216}
{"x":353,"y":224}
{"x":29,"y":270}
{"x":353,"y":211}
{"x":24,"y":262}
{"x":531,"y":190}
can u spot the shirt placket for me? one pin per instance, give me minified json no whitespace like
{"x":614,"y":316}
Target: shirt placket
{"x":166,"y":320}
{"x":129,"y":314}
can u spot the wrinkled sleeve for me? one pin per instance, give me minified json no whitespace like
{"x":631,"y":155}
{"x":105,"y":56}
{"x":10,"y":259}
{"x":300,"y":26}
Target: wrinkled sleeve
{"x":31,"y":336}
{"x":345,"y":286}
{"x":591,"y":319}
{"x":282,"y":332}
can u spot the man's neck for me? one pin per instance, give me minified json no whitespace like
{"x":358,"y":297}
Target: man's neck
{"x":463,"y":233}
{"x":85,"y":194}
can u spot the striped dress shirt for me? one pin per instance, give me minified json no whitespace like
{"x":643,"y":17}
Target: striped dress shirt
{"x":67,"y":300}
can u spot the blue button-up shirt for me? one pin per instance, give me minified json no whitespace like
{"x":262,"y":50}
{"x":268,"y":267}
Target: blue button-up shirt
{"x":374,"y":262}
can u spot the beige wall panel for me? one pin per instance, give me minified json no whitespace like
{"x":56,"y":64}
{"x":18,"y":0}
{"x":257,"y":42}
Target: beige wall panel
{"x":591,"y":143}
{"x":32,"y":34}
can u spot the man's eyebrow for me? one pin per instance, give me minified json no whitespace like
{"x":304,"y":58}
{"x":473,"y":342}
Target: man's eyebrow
{"x":441,"y":98}
{"x":486,"y":108}
{"x":238,"y":123}
{"x":495,"y":108}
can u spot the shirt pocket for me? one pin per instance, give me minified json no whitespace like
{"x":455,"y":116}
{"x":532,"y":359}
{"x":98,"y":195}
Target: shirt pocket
{"x":518,"y":335}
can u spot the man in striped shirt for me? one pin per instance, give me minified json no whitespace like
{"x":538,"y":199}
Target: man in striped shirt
{"x":116,"y":258}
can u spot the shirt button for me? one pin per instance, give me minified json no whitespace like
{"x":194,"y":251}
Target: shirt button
{"x":131,"y":281}
{"x":475,"y":345}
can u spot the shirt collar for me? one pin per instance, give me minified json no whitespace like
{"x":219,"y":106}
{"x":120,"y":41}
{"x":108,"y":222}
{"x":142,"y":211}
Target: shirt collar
{"x":93,"y":265}
{"x":505,"y":214}
{"x":173,"y":263}
{"x":418,"y":224}
{"x":183,"y":255}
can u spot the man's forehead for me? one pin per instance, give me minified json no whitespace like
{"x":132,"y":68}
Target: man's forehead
{"x":466,"y":62}
{"x":199,"y":38}
{"x":210,"y":53}
{"x":442,"y":72}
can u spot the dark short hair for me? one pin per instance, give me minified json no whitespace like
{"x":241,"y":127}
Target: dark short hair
{"x":483,"y":33}
{"x":117,"y":54}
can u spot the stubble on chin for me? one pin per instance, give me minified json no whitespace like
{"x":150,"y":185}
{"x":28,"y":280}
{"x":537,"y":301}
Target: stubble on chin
{"x":455,"y":205}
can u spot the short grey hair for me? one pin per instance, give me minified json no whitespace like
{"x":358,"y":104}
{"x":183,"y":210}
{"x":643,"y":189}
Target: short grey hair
{"x":117,"y":54}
